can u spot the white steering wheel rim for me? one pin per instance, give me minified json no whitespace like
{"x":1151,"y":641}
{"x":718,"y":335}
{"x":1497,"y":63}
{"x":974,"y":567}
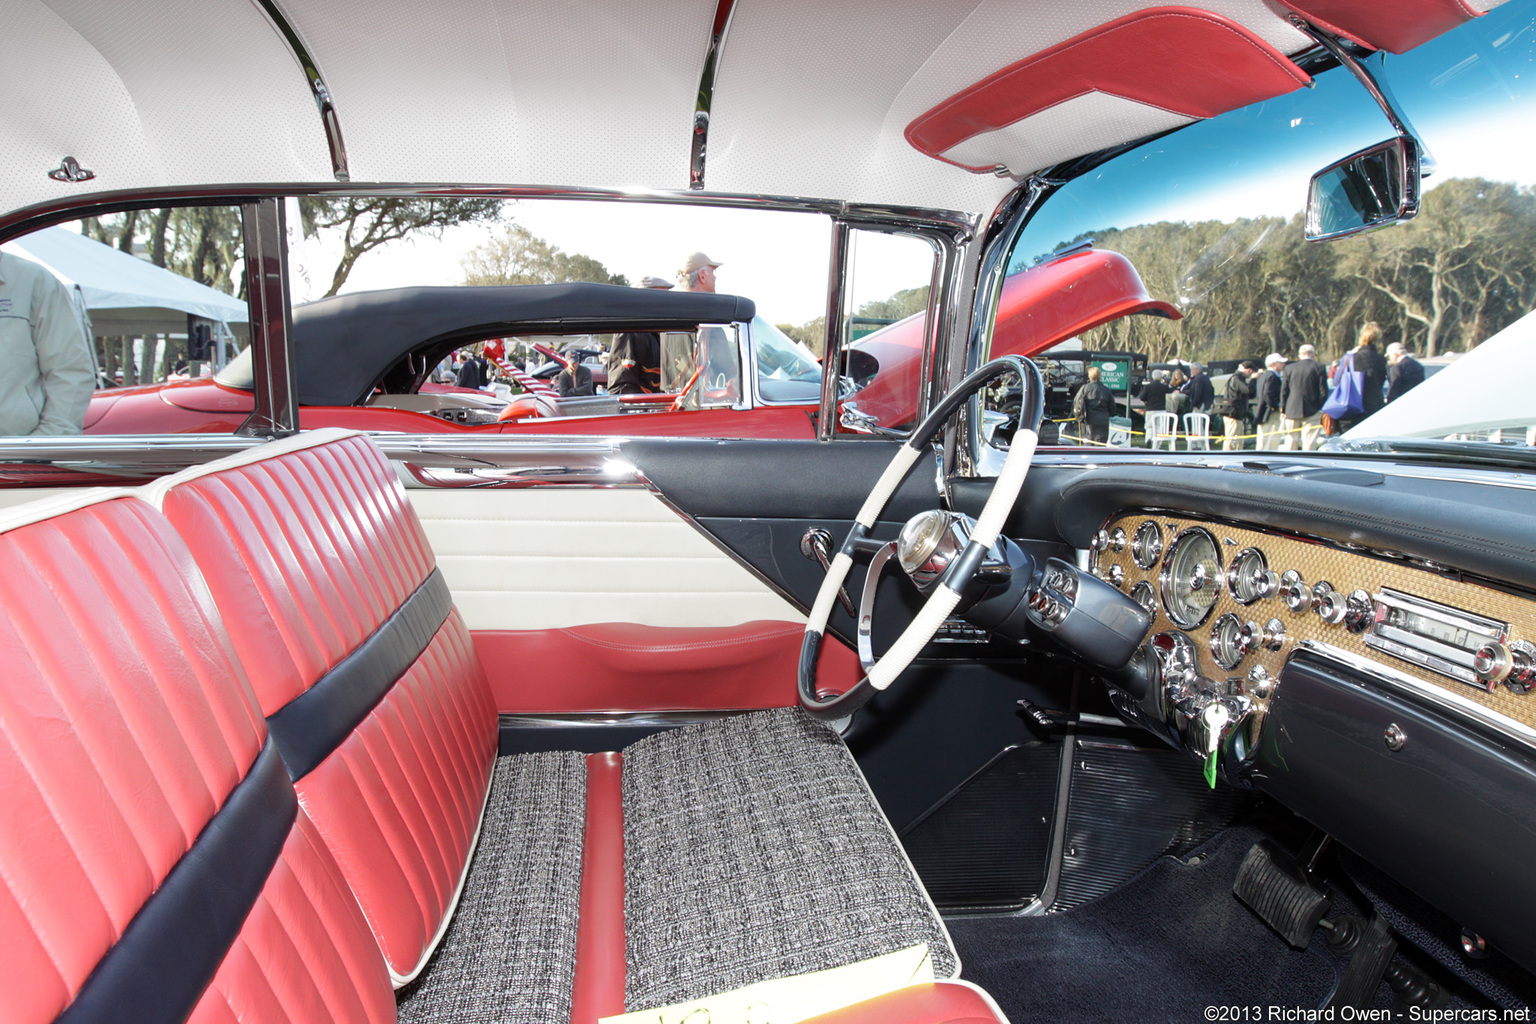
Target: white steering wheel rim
{"x":942,"y":601}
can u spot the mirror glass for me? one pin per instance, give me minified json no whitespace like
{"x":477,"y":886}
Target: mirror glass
{"x":1371,"y":188}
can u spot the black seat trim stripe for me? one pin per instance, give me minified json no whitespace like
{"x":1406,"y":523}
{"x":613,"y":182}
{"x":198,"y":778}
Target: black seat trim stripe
{"x":316,"y":722}
{"x":171,"y":950}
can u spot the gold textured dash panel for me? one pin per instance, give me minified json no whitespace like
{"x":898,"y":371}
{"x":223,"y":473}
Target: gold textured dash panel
{"x":1344,"y":571}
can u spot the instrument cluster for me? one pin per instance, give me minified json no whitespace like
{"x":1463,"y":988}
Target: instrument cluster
{"x":1230,"y":603}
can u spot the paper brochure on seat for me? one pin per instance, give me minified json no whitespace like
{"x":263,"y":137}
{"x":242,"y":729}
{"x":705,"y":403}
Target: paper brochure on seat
{"x":797,"y":998}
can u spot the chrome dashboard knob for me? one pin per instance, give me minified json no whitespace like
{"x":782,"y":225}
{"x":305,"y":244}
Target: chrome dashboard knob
{"x":1294,"y":592}
{"x":1492,"y":663}
{"x":1274,"y":635}
{"x":1522,"y":667}
{"x":1359,"y":611}
{"x":1331,"y":605}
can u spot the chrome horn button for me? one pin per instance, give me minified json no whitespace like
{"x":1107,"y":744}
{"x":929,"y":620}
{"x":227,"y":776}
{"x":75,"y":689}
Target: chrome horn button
{"x":929,"y":542}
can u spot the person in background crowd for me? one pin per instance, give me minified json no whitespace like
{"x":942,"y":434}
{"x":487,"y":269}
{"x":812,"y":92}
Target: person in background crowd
{"x":698,"y":273}
{"x":473,"y":371}
{"x":1091,"y":408}
{"x":1367,"y":359}
{"x":1177,"y":401}
{"x":1404,"y":373}
{"x":1266,"y":397}
{"x":47,"y":374}
{"x":1202,"y":394}
{"x":719,"y":371}
{"x":1154,"y":393}
{"x":1303,"y":390}
{"x":634,"y":364}
{"x":575,"y":381}
{"x":1235,"y":408}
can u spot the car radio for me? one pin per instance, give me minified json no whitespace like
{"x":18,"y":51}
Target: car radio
{"x":1440,"y":638}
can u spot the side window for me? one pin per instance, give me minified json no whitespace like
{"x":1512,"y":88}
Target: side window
{"x":886,"y":329}
{"x":129,"y":323}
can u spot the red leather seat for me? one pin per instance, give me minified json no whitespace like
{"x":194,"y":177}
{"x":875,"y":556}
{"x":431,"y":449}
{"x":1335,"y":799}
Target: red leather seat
{"x":154,"y":862}
{"x":370,"y":681}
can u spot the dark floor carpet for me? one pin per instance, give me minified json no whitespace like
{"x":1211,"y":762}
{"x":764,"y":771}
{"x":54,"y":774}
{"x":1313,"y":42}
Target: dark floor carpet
{"x":1168,"y":944}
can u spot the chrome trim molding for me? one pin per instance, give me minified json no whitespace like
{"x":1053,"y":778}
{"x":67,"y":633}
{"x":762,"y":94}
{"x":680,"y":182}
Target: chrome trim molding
{"x":54,"y":211}
{"x":1443,"y":698}
{"x":329,"y":121}
{"x":832,"y":344}
{"x":699,"y":139}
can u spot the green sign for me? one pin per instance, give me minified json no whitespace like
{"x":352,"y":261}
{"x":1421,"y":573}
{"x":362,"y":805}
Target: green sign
{"x":1115,"y":374}
{"x":859,"y":326}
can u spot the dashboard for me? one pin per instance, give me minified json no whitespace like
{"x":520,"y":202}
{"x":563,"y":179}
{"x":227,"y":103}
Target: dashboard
{"x":1230,"y":604}
{"x":1389,"y":701}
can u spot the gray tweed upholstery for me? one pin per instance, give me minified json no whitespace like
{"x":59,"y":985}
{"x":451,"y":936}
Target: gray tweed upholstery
{"x":510,"y":953}
{"x":754,"y":850}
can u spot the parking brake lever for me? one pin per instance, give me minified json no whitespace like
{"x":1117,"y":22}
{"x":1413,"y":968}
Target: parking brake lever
{"x":816,"y":544}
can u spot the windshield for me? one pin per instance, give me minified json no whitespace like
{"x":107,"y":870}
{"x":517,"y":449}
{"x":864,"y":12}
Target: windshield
{"x":787,"y":371}
{"x":1212,"y":218}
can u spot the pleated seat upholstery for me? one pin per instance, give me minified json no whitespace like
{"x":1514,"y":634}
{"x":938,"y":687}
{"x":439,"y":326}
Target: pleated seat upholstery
{"x":154,"y":862}
{"x":363,"y":666}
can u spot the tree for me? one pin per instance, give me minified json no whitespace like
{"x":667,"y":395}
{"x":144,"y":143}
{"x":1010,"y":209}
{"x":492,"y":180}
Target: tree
{"x":899,"y":306}
{"x":367,"y":222}
{"x":518,"y":256}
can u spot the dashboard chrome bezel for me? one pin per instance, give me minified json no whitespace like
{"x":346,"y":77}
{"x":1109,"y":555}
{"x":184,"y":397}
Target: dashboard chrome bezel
{"x":1230,"y":577}
{"x":1165,"y":576}
{"x":1155,"y":545}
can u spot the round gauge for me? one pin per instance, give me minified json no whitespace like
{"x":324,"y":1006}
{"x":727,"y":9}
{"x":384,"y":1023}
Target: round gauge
{"x":1227,"y":641}
{"x":1143,"y":595}
{"x":1249,"y":578}
{"x":1191,"y":578}
{"x":1147,"y":545}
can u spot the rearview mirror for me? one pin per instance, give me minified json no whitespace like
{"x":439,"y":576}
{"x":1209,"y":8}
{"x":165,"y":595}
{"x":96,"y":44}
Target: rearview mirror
{"x":1377,"y":186}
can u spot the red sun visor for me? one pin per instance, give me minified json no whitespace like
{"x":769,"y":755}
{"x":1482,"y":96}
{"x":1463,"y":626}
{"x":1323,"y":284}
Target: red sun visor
{"x":1139,"y":74}
{"x":1397,"y":27}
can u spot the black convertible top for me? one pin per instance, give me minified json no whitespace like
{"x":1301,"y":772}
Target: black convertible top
{"x":343,"y":345}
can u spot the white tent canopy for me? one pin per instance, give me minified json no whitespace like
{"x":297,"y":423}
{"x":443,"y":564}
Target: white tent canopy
{"x":124,"y":294}
{"x":1489,"y":388}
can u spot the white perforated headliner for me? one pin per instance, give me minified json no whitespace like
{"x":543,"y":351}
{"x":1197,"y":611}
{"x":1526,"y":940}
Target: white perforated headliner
{"x":811,"y":98}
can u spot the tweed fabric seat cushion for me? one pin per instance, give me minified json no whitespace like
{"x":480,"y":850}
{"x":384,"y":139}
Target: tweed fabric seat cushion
{"x":510,"y":953}
{"x":754,"y":850}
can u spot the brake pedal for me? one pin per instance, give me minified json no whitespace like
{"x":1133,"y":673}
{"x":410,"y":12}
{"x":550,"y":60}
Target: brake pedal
{"x":1273,"y":886}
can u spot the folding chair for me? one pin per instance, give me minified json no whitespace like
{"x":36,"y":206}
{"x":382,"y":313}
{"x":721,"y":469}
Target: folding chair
{"x":1162,"y":429}
{"x":1197,"y":431}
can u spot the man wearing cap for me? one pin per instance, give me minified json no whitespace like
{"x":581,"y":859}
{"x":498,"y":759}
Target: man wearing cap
{"x":634,"y":364}
{"x":698,"y":273}
{"x":1266,"y":413}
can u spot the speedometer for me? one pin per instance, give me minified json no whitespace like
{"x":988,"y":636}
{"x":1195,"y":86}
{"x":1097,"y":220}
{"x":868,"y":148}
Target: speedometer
{"x":1191,"y":577}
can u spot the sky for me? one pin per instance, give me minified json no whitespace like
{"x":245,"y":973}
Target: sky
{"x":777,"y":259}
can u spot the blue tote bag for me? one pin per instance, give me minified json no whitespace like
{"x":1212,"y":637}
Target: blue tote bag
{"x":1348,"y":396}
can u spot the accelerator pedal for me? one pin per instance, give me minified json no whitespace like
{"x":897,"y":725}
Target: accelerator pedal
{"x":1272,"y":885}
{"x":1369,"y":946}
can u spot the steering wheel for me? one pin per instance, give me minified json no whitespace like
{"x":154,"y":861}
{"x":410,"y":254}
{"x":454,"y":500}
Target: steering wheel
{"x":881,"y":672}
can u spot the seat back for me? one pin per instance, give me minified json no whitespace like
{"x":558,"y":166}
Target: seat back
{"x":154,"y":863}
{"x":370,"y":682}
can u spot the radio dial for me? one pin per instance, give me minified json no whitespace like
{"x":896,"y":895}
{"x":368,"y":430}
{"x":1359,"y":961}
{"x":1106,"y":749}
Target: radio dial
{"x":1492,"y":663}
{"x":1522,"y":667}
